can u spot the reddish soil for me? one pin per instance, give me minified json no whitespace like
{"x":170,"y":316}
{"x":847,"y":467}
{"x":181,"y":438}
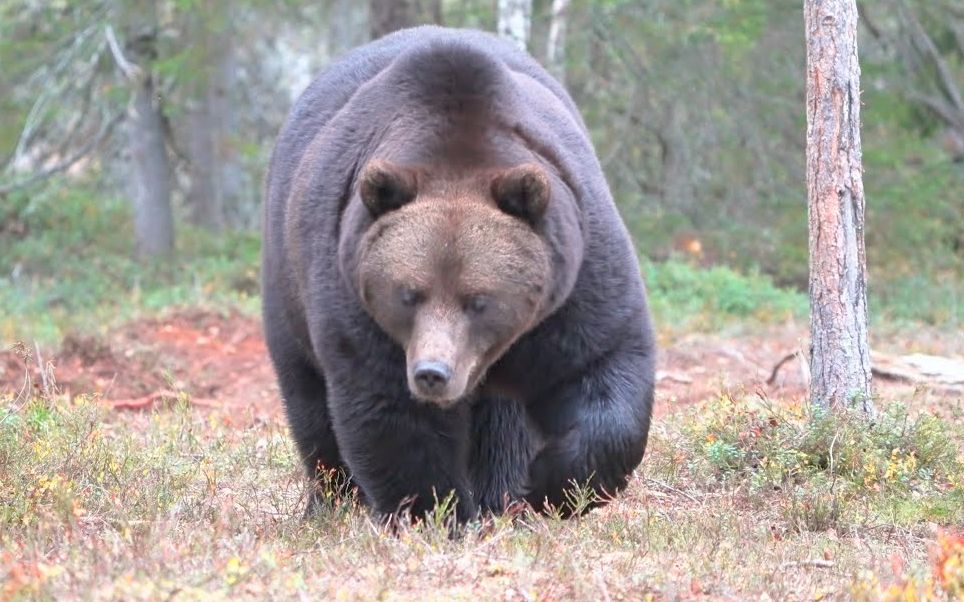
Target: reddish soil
{"x":219,"y":361}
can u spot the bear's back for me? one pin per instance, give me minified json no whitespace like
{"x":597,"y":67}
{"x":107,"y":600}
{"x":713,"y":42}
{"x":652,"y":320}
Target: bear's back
{"x":335,"y":86}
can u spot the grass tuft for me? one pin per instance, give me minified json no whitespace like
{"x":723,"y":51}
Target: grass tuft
{"x":737,"y":497}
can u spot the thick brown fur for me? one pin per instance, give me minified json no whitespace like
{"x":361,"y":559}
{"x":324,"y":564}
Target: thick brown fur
{"x":454,"y":279}
{"x":436,"y":190}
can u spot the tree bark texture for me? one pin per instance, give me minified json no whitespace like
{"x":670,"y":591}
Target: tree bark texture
{"x":840,"y":354}
{"x":150,"y":176}
{"x":514,"y":21}
{"x":556,"y":44}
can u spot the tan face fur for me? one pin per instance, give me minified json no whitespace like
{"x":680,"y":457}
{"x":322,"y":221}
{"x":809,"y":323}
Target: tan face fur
{"x":453,"y":279}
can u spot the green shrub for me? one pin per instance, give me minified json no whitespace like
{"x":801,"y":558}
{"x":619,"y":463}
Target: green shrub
{"x":824,"y":459}
{"x":66,"y":263}
{"x":691,"y":297}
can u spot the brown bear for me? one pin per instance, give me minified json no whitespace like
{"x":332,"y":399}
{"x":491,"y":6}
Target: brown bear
{"x":451,"y":301}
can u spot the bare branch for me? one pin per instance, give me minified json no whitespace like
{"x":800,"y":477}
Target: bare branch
{"x":870,"y":25}
{"x":130,"y":70}
{"x":944,"y":111}
{"x":75,"y":124}
{"x":927,"y":46}
{"x":52,"y":86}
{"x":67,"y":163}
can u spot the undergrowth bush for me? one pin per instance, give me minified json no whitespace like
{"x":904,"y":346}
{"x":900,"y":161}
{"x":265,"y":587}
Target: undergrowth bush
{"x":66,"y":264}
{"x":688,"y":297}
{"x":909,"y":467}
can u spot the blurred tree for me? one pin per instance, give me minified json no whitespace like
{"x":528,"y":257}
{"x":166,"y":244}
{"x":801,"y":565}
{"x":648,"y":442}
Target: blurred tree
{"x":927,"y":38}
{"x":49,"y":60}
{"x":839,"y":348}
{"x":691,"y":136}
{"x":556,"y":44}
{"x":693,"y":107}
{"x":348,"y":25}
{"x":390,"y":15}
{"x":515,"y":20}
{"x":170,"y":72}
{"x":151,"y":175}
{"x":211,"y":115}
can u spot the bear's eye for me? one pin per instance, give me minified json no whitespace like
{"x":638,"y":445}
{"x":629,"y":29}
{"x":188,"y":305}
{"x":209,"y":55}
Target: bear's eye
{"x":410,"y":297}
{"x":477,"y":304}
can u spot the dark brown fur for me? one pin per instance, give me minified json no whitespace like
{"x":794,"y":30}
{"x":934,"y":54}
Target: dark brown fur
{"x":443,"y":164}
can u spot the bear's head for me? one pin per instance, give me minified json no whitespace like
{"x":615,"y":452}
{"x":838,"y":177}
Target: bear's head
{"x":453,"y":268}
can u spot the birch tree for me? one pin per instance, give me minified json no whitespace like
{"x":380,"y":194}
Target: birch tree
{"x":556,"y":44}
{"x":514,"y":21}
{"x":840,"y":353}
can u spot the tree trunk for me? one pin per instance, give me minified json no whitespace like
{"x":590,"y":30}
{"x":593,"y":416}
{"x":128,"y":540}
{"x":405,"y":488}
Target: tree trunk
{"x":840,"y":354}
{"x":150,"y":176}
{"x":237,"y":197}
{"x":204,"y":199}
{"x":216,"y":175}
{"x":348,"y":25}
{"x":556,"y":45}
{"x":678,"y":186}
{"x":515,"y":17}
{"x":387,"y":16}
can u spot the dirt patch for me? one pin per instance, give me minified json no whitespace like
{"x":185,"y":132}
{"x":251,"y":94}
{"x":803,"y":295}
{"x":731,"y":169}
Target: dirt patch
{"x":219,"y":361}
{"x":701,"y":366}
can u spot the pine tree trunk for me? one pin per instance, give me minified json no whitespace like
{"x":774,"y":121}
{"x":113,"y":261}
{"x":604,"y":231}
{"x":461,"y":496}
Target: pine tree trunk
{"x":840,"y":353}
{"x":150,"y":176}
{"x":515,"y":18}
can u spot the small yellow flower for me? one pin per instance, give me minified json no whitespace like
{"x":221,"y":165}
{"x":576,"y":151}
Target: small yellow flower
{"x":234,"y":570}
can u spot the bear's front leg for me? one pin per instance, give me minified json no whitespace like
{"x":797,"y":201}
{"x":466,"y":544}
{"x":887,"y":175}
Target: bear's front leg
{"x":594,"y":428}
{"x":404,"y":455}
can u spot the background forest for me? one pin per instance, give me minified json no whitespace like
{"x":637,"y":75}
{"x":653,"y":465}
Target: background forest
{"x":141,"y":129}
{"x":144,"y":453}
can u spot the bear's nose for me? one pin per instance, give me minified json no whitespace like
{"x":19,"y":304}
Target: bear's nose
{"x":431,"y":376}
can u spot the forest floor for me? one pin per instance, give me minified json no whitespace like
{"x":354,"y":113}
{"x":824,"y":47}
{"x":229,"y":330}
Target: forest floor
{"x":219,"y":360}
{"x":153,"y":462}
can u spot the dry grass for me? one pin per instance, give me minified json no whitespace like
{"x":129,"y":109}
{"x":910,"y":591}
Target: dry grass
{"x":176,"y":504}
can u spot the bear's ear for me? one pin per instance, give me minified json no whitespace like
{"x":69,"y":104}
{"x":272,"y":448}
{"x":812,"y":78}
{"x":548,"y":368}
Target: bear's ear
{"x":385,"y":187}
{"x":522,"y":191}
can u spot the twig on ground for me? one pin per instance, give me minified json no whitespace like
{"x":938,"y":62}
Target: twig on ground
{"x":678,"y":377}
{"x":776,"y":369}
{"x":138,"y":403}
{"x":47,"y":383}
{"x":816,"y":563}
{"x":668,"y":487}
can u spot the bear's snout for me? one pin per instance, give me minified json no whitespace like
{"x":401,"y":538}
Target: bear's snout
{"x":431,"y":377}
